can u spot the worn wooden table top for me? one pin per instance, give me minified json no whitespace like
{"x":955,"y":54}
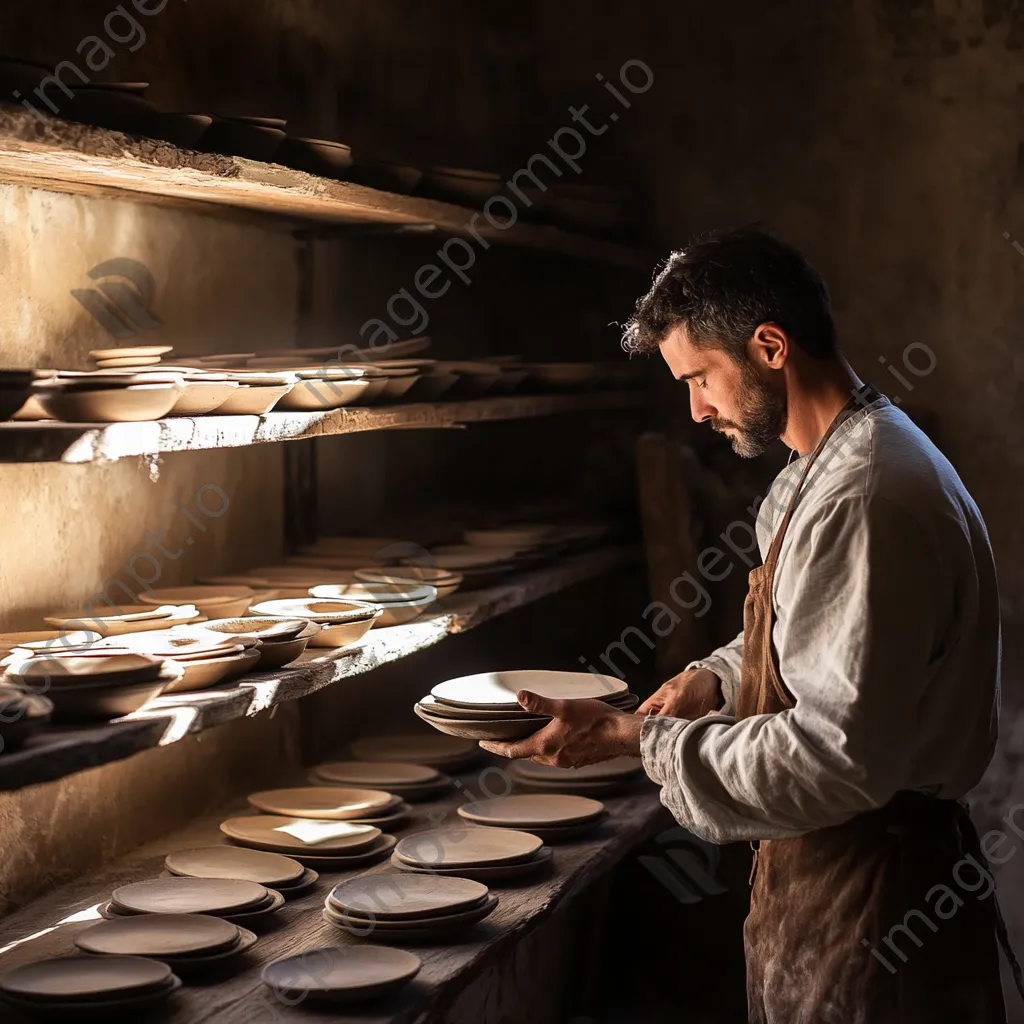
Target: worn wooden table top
{"x":45,"y":928}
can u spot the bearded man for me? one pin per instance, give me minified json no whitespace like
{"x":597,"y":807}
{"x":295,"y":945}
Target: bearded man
{"x":840,"y":730}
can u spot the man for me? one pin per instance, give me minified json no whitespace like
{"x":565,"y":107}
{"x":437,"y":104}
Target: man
{"x":838,"y":732}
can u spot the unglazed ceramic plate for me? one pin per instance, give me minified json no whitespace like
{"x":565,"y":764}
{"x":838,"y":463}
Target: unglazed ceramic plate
{"x":268,"y":869}
{"x":417,"y":748}
{"x":78,"y":978}
{"x":467,"y":847}
{"x":335,"y":803}
{"x":300,"y":835}
{"x":189,"y":896}
{"x":526,"y":810}
{"x":160,"y":935}
{"x":377,"y":773}
{"x":383,"y":897}
{"x":489,"y":688}
{"x":342,"y":974}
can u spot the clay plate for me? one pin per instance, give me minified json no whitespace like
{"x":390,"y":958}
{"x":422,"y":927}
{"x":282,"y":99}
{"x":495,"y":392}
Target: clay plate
{"x":268,"y":869}
{"x":339,"y":975}
{"x":325,"y":838}
{"x":335,"y":803}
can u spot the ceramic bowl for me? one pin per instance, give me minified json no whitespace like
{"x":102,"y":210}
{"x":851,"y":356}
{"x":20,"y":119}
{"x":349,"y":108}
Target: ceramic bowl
{"x":243,"y":137}
{"x":132,"y":404}
{"x":214,"y":602}
{"x":316,"y":156}
{"x":181,"y":130}
{"x":253,"y":399}
{"x":104,"y":702}
{"x":132,"y":619}
{"x":443,"y":581}
{"x":15,"y":388}
{"x":344,"y":634}
{"x":276,"y":654}
{"x":321,"y":395}
{"x":200,"y":674}
{"x":393,"y":613}
{"x":388,"y":177}
{"x":22,"y":715}
{"x":202,"y":397}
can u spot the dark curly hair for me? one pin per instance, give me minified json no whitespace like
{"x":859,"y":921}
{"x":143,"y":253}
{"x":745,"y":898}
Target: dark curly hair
{"x":724,"y":285}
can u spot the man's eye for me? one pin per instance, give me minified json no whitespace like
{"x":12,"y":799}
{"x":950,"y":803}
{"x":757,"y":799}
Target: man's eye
{"x":702,"y":383}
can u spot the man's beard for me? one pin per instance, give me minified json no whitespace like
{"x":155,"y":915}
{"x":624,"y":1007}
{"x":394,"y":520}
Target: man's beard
{"x":763,"y":413}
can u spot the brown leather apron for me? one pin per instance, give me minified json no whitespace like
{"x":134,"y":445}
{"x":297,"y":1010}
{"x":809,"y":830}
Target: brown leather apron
{"x":840,"y":930}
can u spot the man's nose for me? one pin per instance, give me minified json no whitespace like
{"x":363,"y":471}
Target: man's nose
{"x":700,"y":408}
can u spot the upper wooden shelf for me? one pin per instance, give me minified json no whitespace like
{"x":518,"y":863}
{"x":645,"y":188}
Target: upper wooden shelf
{"x":63,"y":750}
{"x":66,"y":157}
{"x":78,"y":443}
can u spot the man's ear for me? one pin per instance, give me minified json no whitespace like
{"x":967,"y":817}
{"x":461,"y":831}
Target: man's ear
{"x":769,"y":347}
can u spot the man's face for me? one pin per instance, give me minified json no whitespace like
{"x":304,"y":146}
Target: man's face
{"x":732,"y":395}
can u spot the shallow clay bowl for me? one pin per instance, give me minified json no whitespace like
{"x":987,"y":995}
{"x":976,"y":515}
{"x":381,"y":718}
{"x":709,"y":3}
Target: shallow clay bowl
{"x":132,"y":404}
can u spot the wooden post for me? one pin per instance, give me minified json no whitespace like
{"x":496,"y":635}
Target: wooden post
{"x":671,"y":531}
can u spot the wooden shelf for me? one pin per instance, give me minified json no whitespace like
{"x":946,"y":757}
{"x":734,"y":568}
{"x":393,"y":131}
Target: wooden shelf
{"x":46,"y":927}
{"x":78,"y":443}
{"x":61,"y":751}
{"x":62,"y":156}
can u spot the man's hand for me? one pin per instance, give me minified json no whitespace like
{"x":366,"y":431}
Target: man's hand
{"x":690,"y":694}
{"x":580,"y":732}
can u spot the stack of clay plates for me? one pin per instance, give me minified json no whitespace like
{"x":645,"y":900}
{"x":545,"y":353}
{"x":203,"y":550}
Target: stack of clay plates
{"x":518,"y":536}
{"x":484,"y":854}
{"x":349,"y":974}
{"x":441,"y":752}
{"x":187,"y":943}
{"x":129,"y":357}
{"x":281,"y":641}
{"x":484,"y":706}
{"x":273,"y":870}
{"x":601,"y":779}
{"x":399,"y":602}
{"x":47,"y":640}
{"x":478,"y":566}
{"x":93,"y":685}
{"x":295,"y":581}
{"x":412,"y":909}
{"x":213,"y":602}
{"x":341,"y":623}
{"x":132,"y":618}
{"x":334,"y":803}
{"x":205,"y":658}
{"x":553,"y":817}
{"x":315,"y":843}
{"x":100,"y":987}
{"x":411,"y":782}
{"x":236,"y":900}
{"x":444,"y":581}
{"x":22,"y":715}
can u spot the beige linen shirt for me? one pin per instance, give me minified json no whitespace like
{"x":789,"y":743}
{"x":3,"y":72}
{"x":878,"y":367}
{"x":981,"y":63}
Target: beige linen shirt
{"x":887,"y":634}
